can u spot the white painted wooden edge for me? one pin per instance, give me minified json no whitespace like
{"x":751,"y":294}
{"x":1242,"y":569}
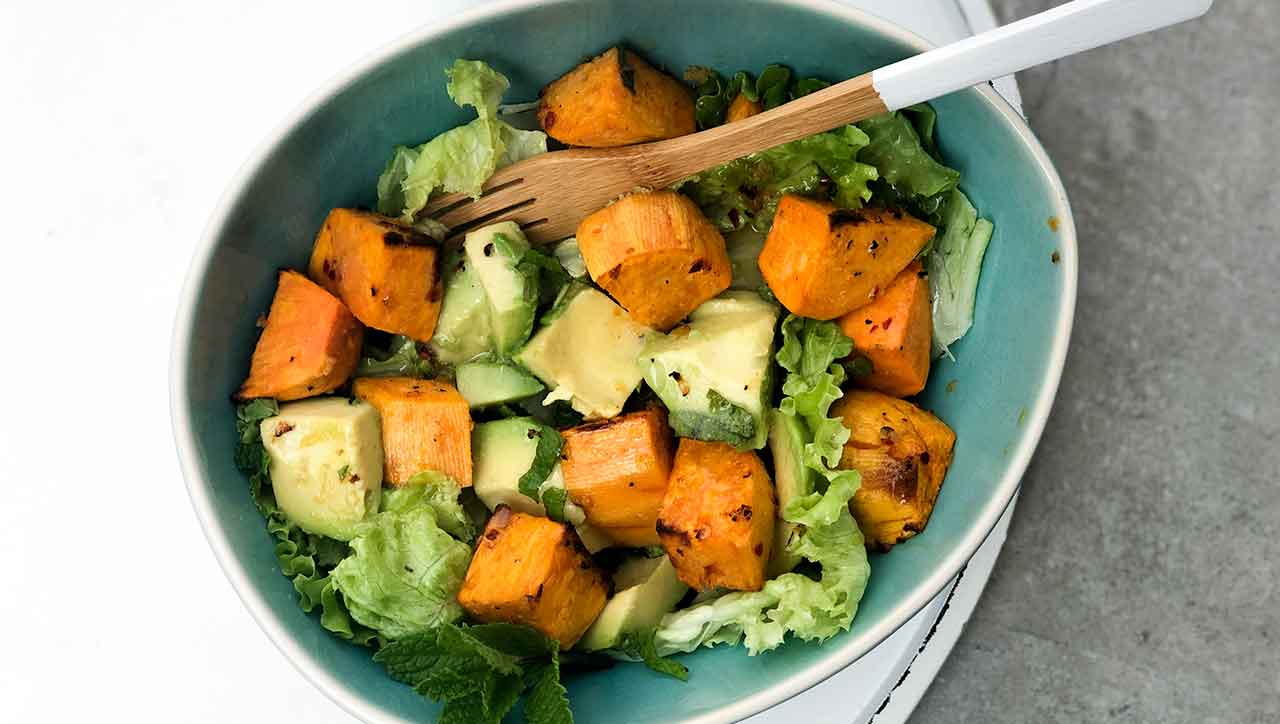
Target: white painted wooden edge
{"x":1065,"y":30}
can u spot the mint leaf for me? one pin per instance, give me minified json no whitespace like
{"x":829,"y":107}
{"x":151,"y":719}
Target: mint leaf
{"x":520,"y":641}
{"x":642,"y":645}
{"x":553,"y":500}
{"x":480,"y":671}
{"x":545,"y":457}
{"x":488,"y":705}
{"x":400,"y":359}
{"x":547,"y":702}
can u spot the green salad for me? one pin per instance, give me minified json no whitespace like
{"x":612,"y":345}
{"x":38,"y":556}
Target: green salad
{"x":497,"y":464}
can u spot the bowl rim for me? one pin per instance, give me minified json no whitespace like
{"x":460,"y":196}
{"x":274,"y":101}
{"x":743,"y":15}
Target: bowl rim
{"x":355,"y":703}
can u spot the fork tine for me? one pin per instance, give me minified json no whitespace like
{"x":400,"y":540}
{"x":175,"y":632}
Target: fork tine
{"x":524,"y":214}
{"x":486,"y":206}
{"x":501,"y":179}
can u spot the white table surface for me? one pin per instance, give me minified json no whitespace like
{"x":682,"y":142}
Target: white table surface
{"x":122,"y":123}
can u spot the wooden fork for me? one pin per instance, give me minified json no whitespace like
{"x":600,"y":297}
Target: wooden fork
{"x":550,"y":193}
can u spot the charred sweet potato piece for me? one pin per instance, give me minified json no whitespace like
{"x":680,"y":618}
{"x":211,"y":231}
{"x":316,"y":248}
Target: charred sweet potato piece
{"x":717,"y":518}
{"x":903,"y":453}
{"x":310,"y":345}
{"x":617,"y":469}
{"x":742,"y":107}
{"x":822,"y":262}
{"x":387,"y":273}
{"x":656,"y":254}
{"x":426,"y":425}
{"x":894,"y":332}
{"x":615,"y":99}
{"x":534,"y":571}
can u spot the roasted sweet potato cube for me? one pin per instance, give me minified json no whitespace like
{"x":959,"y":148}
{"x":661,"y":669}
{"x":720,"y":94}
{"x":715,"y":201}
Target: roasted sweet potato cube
{"x":822,"y":262}
{"x":716,"y":521}
{"x":895,"y":333}
{"x":534,"y":571}
{"x":903,"y":453}
{"x":742,"y":107}
{"x":615,"y":99}
{"x":656,"y":254}
{"x":426,"y":425}
{"x":310,"y":345}
{"x":617,"y":469}
{"x":386,"y":272}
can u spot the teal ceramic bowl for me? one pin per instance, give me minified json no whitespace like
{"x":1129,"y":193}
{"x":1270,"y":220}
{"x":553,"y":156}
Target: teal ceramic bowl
{"x":996,"y":394}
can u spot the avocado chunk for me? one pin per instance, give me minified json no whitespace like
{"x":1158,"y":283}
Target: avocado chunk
{"x":463,"y":330}
{"x":326,"y":463}
{"x":569,"y":255}
{"x":485,"y":384}
{"x":744,"y":248}
{"x":593,"y":539}
{"x":587,"y":353}
{"x":713,"y":374}
{"x":647,"y":589}
{"x":502,"y":452}
{"x":511,"y":288}
{"x":792,"y":479}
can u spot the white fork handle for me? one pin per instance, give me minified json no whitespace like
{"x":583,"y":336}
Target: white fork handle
{"x":1070,"y":28}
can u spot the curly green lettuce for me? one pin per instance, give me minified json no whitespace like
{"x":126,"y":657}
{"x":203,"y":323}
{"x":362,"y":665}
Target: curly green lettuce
{"x":305,"y":558}
{"x":460,"y":159}
{"x":439,"y":492}
{"x":744,"y":193}
{"x":794,"y":603}
{"x":404,"y":571}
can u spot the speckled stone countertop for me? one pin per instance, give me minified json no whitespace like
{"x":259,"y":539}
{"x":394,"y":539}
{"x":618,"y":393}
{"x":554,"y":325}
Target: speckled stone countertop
{"x":1141,"y":578}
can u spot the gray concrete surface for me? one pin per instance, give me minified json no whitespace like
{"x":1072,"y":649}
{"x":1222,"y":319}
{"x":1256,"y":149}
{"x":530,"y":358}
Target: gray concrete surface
{"x":1140,"y":579}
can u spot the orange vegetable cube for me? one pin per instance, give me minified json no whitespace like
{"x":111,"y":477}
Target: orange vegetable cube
{"x":615,"y":99}
{"x":617,"y":469}
{"x":895,"y":332}
{"x":426,"y":425}
{"x":742,"y":107}
{"x":534,"y":571}
{"x":822,"y":262}
{"x":386,"y":272}
{"x":903,"y":453}
{"x":310,"y":345}
{"x":656,"y":254}
{"x":717,"y":518}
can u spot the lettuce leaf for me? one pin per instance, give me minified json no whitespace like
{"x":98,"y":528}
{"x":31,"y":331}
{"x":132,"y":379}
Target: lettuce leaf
{"x":794,"y":603}
{"x":304,"y":558}
{"x":899,"y":154}
{"x":808,"y":353}
{"x":954,"y":266}
{"x":460,"y":159}
{"x":745,"y":192}
{"x":404,"y":571}
{"x":440,"y":493}
{"x":773,"y":88}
